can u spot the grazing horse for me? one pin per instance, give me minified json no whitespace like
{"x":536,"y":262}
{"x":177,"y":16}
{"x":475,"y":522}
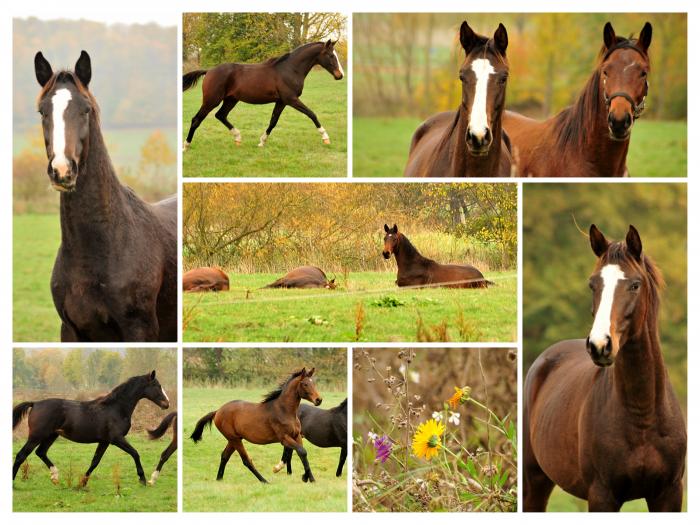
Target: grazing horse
{"x":416,"y":270}
{"x":279,"y":80}
{"x":274,"y":420}
{"x":469,"y":142}
{"x":304,"y":277}
{"x":115,"y":275}
{"x":323,"y":428}
{"x":168,"y":421}
{"x":105,"y":421}
{"x":205,"y":280}
{"x":590,"y":138}
{"x":601,"y":419}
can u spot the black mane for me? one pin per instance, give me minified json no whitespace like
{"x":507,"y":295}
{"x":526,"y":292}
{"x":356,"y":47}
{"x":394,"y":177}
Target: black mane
{"x":127,"y":389}
{"x":274,"y":394}
{"x":282,"y":58}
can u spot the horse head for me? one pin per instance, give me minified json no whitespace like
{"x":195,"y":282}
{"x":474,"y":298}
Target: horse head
{"x":306,"y":388}
{"x":391,"y":240}
{"x":328,"y":60}
{"x":153,"y":391}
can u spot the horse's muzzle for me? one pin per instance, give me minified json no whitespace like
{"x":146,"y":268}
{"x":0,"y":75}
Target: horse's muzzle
{"x":318,"y":401}
{"x":620,"y":129}
{"x":479,"y":145}
{"x":601,"y":356}
{"x":387,"y":255}
{"x":63,"y":180}
{"x":337,"y":75}
{"x":164,"y":403}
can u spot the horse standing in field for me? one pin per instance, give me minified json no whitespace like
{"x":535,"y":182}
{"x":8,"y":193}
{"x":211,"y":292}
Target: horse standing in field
{"x":304,"y":277}
{"x":600,"y":418}
{"x":469,"y":142}
{"x":416,"y":270}
{"x":205,"y":280}
{"x":274,"y":420}
{"x":592,"y":137}
{"x":279,"y":80}
{"x":115,"y":275}
{"x":323,"y":428}
{"x":105,"y":421}
{"x":168,"y":421}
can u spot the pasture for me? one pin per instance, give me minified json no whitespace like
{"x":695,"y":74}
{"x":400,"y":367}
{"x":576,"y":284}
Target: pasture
{"x":368,"y":307}
{"x":380,"y":147}
{"x":560,"y":501}
{"x":294,"y":148}
{"x":239,"y":490}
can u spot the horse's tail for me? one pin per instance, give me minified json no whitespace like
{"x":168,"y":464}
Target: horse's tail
{"x":199,"y":428}
{"x":19,"y":412}
{"x":161,"y":429}
{"x":190,"y":79}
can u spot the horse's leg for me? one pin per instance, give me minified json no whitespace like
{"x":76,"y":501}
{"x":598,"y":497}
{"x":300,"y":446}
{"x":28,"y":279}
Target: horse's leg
{"x":121,"y":443}
{"x":23,"y":453}
{"x":247,"y":461}
{"x":68,"y":334}
{"x":163,"y":458}
{"x":301,"y":107}
{"x":225,"y":456}
{"x":222,"y":116}
{"x":287,"y":441}
{"x":276,"y":112}
{"x":286,"y":460}
{"x":537,"y":487}
{"x":207,"y":107}
{"x":670,"y":499}
{"x":601,"y":499}
{"x":341,"y":462}
{"x":42,"y":451}
{"x":96,"y":458}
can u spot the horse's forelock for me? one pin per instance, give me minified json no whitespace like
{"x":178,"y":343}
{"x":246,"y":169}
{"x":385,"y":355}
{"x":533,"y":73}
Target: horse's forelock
{"x":617,"y":254}
{"x":63,"y":76}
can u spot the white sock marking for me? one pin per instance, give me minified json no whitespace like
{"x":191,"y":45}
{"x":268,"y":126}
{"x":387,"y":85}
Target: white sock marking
{"x":236,"y":135}
{"x":600,"y":332}
{"x":340,"y":66}
{"x":263,"y":138}
{"x":54,"y":474}
{"x":154,"y":477}
{"x":60,"y":101}
{"x":478,"y":120}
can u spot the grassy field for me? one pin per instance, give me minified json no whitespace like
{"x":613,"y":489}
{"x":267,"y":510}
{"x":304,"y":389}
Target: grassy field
{"x":239,"y":490}
{"x":560,"y":501}
{"x":294,"y":148}
{"x":388,"y":313}
{"x":113,"y":486}
{"x":380,"y":147}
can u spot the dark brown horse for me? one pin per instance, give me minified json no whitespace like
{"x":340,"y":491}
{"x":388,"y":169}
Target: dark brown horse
{"x":115,"y":275}
{"x":274,"y":420}
{"x":601,"y":419}
{"x":469,"y":142}
{"x":168,"y":421}
{"x":590,"y":138}
{"x":205,"y":280}
{"x":304,"y":277}
{"x":278,"y":80}
{"x":105,"y":421}
{"x":416,"y":270}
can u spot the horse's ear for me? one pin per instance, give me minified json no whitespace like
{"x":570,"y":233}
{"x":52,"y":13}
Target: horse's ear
{"x":303,"y":372}
{"x":83,"y":68}
{"x":609,"y":37}
{"x":152,"y":375}
{"x":332,"y":280}
{"x":42,"y":69}
{"x":500,"y":39}
{"x":329,"y":43}
{"x":311,"y":372}
{"x":634,"y":243}
{"x":395,"y":229}
{"x":467,"y":37}
{"x":386,"y":228}
{"x":599,"y":243}
{"x":644,"y":40}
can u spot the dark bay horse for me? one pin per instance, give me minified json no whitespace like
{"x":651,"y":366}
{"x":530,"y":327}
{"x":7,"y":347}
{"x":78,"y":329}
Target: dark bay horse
{"x":590,"y":138}
{"x":205,"y":280}
{"x":416,"y":270}
{"x":115,"y":275}
{"x":273,"y":420}
{"x":279,"y":80}
{"x":469,"y":142}
{"x":105,"y":421}
{"x":304,"y":277}
{"x":168,"y":421}
{"x":323,"y":428}
{"x":600,"y":418}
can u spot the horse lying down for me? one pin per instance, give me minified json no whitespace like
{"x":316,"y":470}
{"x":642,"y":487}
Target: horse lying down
{"x":205,"y":280}
{"x":304,"y":277}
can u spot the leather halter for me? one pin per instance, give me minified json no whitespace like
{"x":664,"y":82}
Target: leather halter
{"x":637,"y":109}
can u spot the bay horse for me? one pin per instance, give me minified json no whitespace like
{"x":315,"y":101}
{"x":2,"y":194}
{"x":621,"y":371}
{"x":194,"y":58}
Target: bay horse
{"x":273,"y":420}
{"x":469,"y":142}
{"x":416,"y":270}
{"x":115,"y":275}
{"x":279,"y":80}
{"x":304,"y":277}
{"x":323,"y":428}
{"x":592,"y":137}
{"x":205,"y":280}
{"x":168,"y":421}
{"x":105,"y":420}
{"x":601,"y":419}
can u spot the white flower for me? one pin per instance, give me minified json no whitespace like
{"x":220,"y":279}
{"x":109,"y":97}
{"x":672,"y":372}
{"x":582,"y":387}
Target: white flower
{"x":454,"y":418}
{"x":437,"y":416}
{"x":415,"y":377}
{"x":371,"y":435}
{"x":402,"y":369}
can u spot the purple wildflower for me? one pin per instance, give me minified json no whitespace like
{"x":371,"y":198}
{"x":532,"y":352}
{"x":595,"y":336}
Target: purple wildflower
{"x":382,"y":447}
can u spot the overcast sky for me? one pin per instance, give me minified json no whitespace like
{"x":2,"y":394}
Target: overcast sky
{"x":118,"y":17}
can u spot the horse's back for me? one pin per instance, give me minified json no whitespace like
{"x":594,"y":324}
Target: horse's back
{"x":166,"y":211}
{"x":424,"y":144}
{"x":322,"y":427}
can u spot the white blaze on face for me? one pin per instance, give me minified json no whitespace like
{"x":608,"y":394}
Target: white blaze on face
{"x":340,"y":67}
{"x":478,"y":120}
{"x":600,"y":332}
{"x":164,"y":394}
{"x":60,"y":101}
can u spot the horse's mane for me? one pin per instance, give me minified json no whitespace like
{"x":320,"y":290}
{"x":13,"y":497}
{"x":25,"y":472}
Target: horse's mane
{"x":406,"y":246}
{"x":274,"y":394}
{"x":343,"y":404}
{"x":276,"y":60}
{"x":127,"y":387}
{"x":69,"y":76}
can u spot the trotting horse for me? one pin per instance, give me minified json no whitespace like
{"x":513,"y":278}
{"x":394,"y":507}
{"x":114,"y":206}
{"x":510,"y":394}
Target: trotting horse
{"x":105,"y":421}
{"x":168,"y":421}
{"x":416,"y":270}
{"x":469,"y":142}
{"x":279,"y":80}
{"x":115,"y":275}
{"x":601,"y":419}
{"x":274,"y":420}
{"x":590,"y":138}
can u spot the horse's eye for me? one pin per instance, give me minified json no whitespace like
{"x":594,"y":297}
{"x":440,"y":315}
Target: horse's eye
{"x":590,"y":285}
{"x":461,"y":77}
{"x":635,"y":286}
{"x":605,"y":74}
{"x":644,"y":74}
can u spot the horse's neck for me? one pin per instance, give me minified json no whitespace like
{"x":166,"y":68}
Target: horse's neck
{"x":462,"y":164}
{"x":407,"y":254}
{"x":303,"y":60}
{"x":289,"y":399}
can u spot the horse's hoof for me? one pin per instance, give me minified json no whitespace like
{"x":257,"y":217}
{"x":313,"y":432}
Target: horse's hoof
{"x":185,"y":146}
{"x":238,"y":143}
{"x":326,"y":141}
{"x":261,"y":144}
{"x":278,"y":467}
{"x":83,"y":481}
{"x":143,"y":481}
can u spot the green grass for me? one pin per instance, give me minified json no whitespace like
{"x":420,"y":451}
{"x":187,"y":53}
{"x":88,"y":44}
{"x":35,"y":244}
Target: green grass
{"x":380,"y":147}
{"x":38,"y":494}
{"x":560,"y":501}
{"x":330,"y":315}
{"x":239,"y":490}
{"x":294,"y":148}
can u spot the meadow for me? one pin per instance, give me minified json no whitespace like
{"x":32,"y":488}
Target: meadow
{"x":239,"y":490}
{"x":294,"y":148}
{"x":560,"y":501}
{"x":367,"y":306}
{"x":380,"y":146}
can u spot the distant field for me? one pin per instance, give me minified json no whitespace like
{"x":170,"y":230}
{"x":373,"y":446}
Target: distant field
{"x":239,"y":490}
{"x":380,"y":147}
{"x":294,"y":148}
{"x":331,"y":315}
{"x":560,"y":501}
